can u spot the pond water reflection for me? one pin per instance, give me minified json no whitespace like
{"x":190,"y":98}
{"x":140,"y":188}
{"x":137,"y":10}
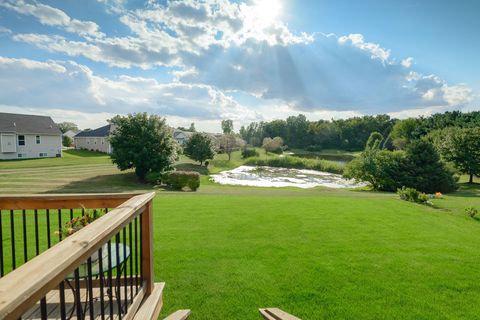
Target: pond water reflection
{"x":282,"y":177}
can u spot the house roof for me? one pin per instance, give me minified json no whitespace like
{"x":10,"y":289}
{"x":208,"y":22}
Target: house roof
{"x":99,"y":132}
{"x":27,"y":124}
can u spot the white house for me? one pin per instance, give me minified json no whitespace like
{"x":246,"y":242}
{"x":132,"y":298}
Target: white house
{"x":181,"y":136}
{"x":94,"y":140}
{"x":29,"y":136}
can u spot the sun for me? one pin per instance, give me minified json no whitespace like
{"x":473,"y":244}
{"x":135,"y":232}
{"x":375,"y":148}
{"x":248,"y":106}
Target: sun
{"x":266,"y":11}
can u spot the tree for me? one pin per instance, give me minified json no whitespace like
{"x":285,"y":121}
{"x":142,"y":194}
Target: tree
{"x":192,"y":127}
{"x":227,"y":126}
{"x":461,"y":147}
{"x":228,"y":143}
{"x":424,"y":171}
{"x":418,"y":167}
{"x":66,"y":141}
{"x":200,"y":147}
{"x":403,"y":132}
{"x":65,"y":126}
{"x":143,"y":142}
{"x":273,"y":145}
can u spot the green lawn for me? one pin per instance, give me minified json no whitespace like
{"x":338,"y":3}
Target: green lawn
{"x":337,"y":255}
{"x":320,"y":253}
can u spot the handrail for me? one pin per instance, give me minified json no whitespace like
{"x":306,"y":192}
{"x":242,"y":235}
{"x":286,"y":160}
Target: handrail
{"x":23,"y":287}
{"x":63,"y":201}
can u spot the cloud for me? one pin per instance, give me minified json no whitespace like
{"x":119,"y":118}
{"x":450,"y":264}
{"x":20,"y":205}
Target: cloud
{"x":71,"y":86}
{"x":51,"y":16}
{"x":358,"y":41}
{"x":407,"y":63}
{"x":216,"y":50}
{"x":326,"y":74}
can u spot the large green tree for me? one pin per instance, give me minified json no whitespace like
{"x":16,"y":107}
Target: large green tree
{"x":200,"y":147}
{"x":461,"y":147}
{"x":143,"y":142}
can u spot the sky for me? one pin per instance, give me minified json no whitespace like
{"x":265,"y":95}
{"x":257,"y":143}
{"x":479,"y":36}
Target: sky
{"x":253,"y":60}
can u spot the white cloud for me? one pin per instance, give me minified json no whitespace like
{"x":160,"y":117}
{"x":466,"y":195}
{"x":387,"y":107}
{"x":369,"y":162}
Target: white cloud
{"x":71,"y":86}
{"x":51,"y":16}
{"x":218,"y":49}
{"x":407,"y":63}
{"x":375,"y":50}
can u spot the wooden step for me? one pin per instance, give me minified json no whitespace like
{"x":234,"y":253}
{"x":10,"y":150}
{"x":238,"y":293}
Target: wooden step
{"x":151,"y":305}
{"x":179,"y":315}
{"x":276,"y":314}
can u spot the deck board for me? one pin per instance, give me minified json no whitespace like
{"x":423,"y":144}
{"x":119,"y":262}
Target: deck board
{"x":53,"y":304}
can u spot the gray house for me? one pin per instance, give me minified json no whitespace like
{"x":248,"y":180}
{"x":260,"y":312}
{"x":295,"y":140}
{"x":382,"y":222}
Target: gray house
{"x":94,"y":140}
{"x":29,"y":136}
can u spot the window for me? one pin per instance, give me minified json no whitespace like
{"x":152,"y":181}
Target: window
{"x":43,"y":154}
{"x":37,"y":139}
{"x":21,"y":140}
{"x":20,"y":155}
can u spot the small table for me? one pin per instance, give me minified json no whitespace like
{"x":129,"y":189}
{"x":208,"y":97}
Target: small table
{"x":116,"y":262}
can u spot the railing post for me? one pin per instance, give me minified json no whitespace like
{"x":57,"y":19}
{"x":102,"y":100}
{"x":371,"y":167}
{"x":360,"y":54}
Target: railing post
{"x":147,"y":247}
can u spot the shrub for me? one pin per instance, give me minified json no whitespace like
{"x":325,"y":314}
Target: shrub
{"x":180,"y":179}
{"x":412,"y":195}
{"x":297,"y":163}
{"x":471,"y":211}
{"x":248,"y":153}
{"x":153,"y":177}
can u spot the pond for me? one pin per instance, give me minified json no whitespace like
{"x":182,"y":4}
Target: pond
{"x":282,"y":177}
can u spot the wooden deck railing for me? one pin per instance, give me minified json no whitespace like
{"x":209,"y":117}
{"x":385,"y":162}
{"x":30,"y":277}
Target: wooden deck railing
{"x":107,"y":265}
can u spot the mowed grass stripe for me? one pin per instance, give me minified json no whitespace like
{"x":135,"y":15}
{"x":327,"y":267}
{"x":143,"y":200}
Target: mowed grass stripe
{"x":39,"y":175}
{"x":56,"y":169}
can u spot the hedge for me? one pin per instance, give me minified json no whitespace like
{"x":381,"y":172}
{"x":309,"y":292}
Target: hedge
{"x":180,"y":179}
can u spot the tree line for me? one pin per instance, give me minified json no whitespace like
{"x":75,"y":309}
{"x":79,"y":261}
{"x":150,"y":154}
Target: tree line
{"x":352,"y":134}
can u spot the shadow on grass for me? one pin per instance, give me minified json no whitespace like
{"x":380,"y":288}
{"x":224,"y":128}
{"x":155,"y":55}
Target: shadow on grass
{"x":121,"y":182}
{"x":85,"y":153}
{"x":468,"y":190}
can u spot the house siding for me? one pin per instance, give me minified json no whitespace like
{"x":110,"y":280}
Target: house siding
{"x":100,"y":144}
{"x":51,"y":145}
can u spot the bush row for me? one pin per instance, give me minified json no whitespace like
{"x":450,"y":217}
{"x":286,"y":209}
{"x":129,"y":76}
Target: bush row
{"x":176,"y":180}
{"x":297,"y":163}
{"x":248,"y":153}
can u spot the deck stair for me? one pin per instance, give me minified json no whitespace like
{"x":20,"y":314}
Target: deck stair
{"x":276,"y":314}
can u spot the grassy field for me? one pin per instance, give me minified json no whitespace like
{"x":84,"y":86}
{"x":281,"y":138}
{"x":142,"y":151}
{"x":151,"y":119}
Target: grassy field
{"x":319,"y":253}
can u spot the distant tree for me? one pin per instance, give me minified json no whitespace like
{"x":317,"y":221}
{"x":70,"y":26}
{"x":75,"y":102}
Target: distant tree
{"x":200,"y":147}
{"x":143,"y":142}
{"x":273,"y":145}
{"x":461,"y":147}
{"x":65,"y":126}
{"x":189,"y":129}
{"x":227,"y":126}
{"x":418,"y":167}
{"x":228,"y":143}
{"x":66,"y":141}
{"x":374,"y":141}
{"x":403,"y":132}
